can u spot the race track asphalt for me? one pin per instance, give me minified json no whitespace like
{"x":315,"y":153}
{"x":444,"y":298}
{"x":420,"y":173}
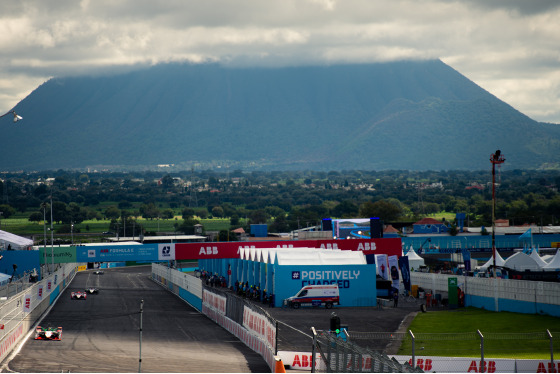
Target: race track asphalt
{"x":101,"y":334}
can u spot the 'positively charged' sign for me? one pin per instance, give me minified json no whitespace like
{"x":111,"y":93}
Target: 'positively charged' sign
{"x":342,"y":278}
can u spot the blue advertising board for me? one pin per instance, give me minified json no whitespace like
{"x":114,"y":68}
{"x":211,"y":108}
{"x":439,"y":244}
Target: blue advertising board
{"x":356,"y":283}
{"x":118,"y":253}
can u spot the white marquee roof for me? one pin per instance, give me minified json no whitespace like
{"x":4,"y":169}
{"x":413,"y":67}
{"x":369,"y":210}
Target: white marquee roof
{"x":535,"y":256}
{"x":554,"y":264}
{"x":7,"y":238}
{"x":520,"y":261}
{"x":321,"y":257}
{"x":499,"y":262}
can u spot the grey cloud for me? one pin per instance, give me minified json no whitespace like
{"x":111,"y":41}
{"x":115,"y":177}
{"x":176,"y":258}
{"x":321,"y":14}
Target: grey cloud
{"x":486,"y":40}
{"x":522,"y":7}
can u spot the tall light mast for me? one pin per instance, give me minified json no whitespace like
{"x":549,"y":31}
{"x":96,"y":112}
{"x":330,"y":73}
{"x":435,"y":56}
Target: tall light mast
{"x":495,"y":158}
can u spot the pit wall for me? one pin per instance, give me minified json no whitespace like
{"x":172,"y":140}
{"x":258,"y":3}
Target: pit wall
{"x":19,"y":313}
{"x":496,"y":294}
{"x":248,"y":325}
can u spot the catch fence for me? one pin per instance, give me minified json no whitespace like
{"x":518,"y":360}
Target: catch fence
{"x":335,"y":353}
{"x":468,"y":352}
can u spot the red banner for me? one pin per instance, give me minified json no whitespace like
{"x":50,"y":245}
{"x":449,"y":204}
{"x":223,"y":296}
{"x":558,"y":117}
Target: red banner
{"x":191,"y":251}
{"x":387,"y":246}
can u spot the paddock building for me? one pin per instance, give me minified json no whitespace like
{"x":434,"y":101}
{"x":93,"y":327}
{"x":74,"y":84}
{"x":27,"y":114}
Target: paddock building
{"x":282,"y":272}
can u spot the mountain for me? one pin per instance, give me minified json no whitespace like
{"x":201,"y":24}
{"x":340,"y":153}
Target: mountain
{"x":416,"y":115}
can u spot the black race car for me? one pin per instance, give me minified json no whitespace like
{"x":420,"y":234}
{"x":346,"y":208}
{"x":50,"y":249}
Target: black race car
{"x":48,"y":333}
{"x":78,"y":295}
{"x":98,"y":272}
{"x":92,"y":290}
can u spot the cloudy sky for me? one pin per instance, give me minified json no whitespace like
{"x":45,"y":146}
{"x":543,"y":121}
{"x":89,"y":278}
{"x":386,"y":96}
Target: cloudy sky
{"x":509,"y":47}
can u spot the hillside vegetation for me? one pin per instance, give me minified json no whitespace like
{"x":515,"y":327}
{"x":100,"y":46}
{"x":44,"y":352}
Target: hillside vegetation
{"x":410,"y":115}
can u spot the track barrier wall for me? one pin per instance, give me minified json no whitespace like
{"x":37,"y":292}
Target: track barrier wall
{"x":249,"y":323}
{"x":496,"y":294}
{"x":20,"y":312}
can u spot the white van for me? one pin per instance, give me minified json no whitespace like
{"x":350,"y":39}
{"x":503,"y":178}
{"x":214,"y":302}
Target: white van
{"x":315,"y":295}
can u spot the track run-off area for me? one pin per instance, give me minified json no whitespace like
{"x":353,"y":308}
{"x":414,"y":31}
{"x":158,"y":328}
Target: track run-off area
{"x":102,"y":333}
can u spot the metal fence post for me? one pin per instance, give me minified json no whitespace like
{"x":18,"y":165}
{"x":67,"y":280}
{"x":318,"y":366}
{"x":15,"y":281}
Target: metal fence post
{"x":276,"y":340}
{"x":328,"y":358}
{"x":313,"y":349}
{"x":551,"y":349}
{"x":413,"y":349}
{"x":481,"y":351}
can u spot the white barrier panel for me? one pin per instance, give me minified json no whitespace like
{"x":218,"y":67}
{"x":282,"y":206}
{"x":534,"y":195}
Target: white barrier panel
{"x":252,"y":341}
{"x":507,"y":289}
{"x":178,"y":278}
{"x":433,"y":364}
{"x":216,"y":302}
{"x":260,"y":326}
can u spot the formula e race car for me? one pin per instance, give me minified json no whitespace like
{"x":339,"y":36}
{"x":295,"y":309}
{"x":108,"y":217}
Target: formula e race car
{"x":48,"y":333}
{"x":92,"y":290}
{"x":98,"y":272}
{"x":78,"y":295}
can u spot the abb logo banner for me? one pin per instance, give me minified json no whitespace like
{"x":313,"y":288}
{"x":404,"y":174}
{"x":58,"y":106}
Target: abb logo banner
{"x":27,"y":304}
{"x":260,"y":326}
{"x":40,"y":292}
{"x":302,"y":361}
{"x":470,"y":365}
{"x":214,"y":301}
{"x":548,"y":367}
{"x":49,"y":285}
{"x":388,"y":246}
{"x":192,"y":251}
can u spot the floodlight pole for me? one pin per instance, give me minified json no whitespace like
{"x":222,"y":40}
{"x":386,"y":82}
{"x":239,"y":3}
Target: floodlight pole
{"x":52,"y":236}
{"x":46,"y":264}
{"x":495,"y":158}
{"x":140,"y":353}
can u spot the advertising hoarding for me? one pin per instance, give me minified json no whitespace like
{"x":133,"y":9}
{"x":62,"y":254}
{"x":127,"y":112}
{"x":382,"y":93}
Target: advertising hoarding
{"x":117,"y":253}
{"x":192,"y":251}
{"x":60,"y":254}
{"x":356,"y":282}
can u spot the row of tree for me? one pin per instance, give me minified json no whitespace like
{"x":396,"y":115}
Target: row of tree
{"x":284,"y":200}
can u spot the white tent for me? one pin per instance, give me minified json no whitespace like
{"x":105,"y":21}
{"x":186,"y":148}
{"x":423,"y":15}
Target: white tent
{"x":414,"y":261}
{"x":521,"y":262}
{"x":14,"y":241}
{"x":499,"y":262}
{"x":321,"y":257}
{"x":554,"y":264}
{"x":535,"y":256}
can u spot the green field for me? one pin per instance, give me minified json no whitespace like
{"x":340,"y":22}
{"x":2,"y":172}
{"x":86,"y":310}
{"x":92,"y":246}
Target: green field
{"x":22,"y":226}
{"x":507,"y":335}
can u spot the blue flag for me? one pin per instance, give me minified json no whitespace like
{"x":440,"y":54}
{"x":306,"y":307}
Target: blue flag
{"x":525,"y":235}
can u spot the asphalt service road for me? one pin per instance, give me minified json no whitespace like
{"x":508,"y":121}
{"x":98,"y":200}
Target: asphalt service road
{"x":294,"y":327}
{"x":102,"y":333}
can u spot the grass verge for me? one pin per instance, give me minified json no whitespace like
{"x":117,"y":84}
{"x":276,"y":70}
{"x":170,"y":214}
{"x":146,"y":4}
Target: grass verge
{"x":507,"y":335}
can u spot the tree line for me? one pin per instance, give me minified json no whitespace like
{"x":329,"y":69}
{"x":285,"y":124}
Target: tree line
{"x":285,"y":200}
